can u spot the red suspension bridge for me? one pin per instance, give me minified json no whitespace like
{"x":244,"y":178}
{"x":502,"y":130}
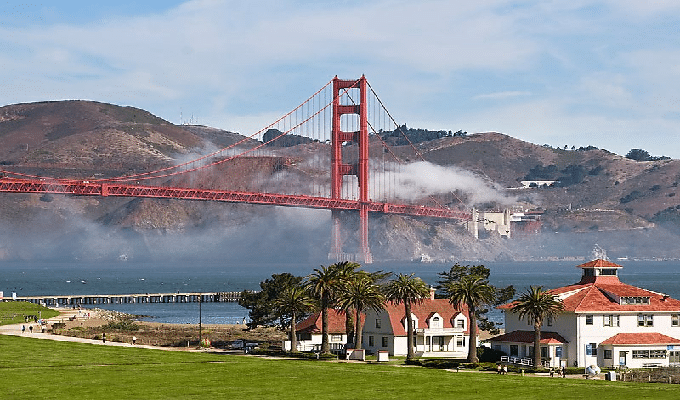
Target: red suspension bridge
{"x":341,"y":125}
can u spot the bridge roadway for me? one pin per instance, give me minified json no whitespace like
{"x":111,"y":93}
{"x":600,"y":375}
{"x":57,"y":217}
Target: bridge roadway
{"x":99,"y":188}
{"x":80,"y":299}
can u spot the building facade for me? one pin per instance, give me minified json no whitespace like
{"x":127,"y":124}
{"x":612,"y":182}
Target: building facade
{"x":439,"y":329}
{"x":605,"y":322}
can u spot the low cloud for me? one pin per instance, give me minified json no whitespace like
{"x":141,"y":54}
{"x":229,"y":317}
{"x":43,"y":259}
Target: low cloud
{"x":418,"y":180}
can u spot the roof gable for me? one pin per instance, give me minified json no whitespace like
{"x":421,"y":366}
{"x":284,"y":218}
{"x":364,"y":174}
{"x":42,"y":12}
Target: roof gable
{"x":423,"y":311}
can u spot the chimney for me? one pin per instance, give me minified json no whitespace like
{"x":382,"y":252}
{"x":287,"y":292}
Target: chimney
{"x":432,"y":290}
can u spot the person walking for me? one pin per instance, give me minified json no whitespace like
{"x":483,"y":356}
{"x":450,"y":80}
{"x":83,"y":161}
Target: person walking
{"x":104,"y":337}
{"x":134,"y":339}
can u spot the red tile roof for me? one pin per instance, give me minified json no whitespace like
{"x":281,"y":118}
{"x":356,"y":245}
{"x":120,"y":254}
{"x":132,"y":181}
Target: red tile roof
{"x":597,"y":294}
{"x":336,"y":323}
{"x":641,"y":338}
{"x":599,"y":263}
{"x":528,"y":337}
{"x":423,"y":312}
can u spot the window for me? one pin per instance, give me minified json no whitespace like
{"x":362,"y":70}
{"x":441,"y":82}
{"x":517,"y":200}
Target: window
{"x":591,"y":349}
{"x":558,"y":351}
{"x":384,"y":341}
{"x":589,"y":319}
{"x":550,"y":320}
{"x":645,"y":320}
{"x":607,"y":354}
{"x":378,"y":323}
{"x":635,"y":300}
{"x":544,"y":352}
{"x":371,"y":341}
{"x":460,"y":323}
{"x":675,"y":319}
{"x":460,"y":341}
{"x":514,"y":350}
{"x":610,"y":320}
{"x":649,"y":353}
{"x":608,"y":271}
{"x":336,"y":338}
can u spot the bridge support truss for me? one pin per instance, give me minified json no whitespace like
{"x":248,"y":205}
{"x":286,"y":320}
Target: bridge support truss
{"x":339,"y":169}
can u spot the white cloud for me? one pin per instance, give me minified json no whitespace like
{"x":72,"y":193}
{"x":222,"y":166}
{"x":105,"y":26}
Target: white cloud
{"x":227,"y":62}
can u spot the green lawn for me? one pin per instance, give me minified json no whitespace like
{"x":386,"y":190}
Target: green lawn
{"x":34,"y":368}
{"x":13,"y":312}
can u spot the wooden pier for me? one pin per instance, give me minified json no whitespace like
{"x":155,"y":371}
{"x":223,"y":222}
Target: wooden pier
{"x":84,"y":300}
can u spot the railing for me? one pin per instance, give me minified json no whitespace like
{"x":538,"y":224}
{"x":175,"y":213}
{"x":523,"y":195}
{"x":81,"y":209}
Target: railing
{"x":527,"y":362}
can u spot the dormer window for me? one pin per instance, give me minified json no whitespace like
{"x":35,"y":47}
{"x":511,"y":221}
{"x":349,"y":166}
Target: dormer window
{"x":635,"y":300}
{"x":608,"y":271}
{"x":436,"y":322}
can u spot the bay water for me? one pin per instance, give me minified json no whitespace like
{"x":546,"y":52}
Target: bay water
{"x":68,"y":278}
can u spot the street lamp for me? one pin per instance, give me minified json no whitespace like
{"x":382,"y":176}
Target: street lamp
{"x":200,"y":339}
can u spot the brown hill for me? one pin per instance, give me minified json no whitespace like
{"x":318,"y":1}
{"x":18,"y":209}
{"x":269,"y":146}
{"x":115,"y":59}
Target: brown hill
{"x":628,"y":207}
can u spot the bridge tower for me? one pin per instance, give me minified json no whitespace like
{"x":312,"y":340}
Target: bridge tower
{"x":339,"y":169}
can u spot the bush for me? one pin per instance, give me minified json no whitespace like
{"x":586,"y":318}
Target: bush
{"x":487,"y":354}
{"x":124,"y":325}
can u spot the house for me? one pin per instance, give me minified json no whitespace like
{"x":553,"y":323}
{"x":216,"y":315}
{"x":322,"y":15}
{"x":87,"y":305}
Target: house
{"x":309,"y":332}
{"x":605,"y":322}
{"x":439,"y":329}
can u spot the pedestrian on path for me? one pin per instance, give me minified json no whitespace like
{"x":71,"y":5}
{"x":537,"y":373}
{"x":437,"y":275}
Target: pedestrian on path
{"x":23,"y":328}
{"x":104,"y":337}
{"x":30,"y":328}
{"x":134,"y":339}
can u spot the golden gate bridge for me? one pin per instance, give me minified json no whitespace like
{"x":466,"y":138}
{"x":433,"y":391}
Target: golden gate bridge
{"x":339,"y":125}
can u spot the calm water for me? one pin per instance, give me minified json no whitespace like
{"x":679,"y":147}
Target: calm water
{"x":28,"y":279}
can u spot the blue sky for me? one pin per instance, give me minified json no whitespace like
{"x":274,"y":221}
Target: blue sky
{"x":577,"y":73}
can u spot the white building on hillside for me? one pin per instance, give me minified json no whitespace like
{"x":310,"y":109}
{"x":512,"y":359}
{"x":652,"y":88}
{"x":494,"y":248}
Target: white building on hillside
{"x":605,"y":322}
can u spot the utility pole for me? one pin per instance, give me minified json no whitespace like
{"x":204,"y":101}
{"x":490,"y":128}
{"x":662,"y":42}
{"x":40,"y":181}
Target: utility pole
{"x":200,"y":338}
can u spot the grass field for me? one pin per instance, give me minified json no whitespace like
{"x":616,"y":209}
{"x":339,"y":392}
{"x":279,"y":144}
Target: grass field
{"x":13,"y":312}
{"x":34,"y":368}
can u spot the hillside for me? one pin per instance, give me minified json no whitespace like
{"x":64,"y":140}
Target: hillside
{"x":628,"y":207}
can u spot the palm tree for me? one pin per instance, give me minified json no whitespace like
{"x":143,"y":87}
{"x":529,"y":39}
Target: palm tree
{"x":473,"y":291}
{"x":293,"y":301}
{"x":347,"y":271}
{"x":323,"y":284}
{"x":537,"y":304}
{"x":359,"y":294}
{"x":409,"y":290}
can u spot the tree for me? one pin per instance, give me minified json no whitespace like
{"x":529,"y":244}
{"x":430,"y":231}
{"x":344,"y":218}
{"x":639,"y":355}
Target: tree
{"x":409,"y":290}
{"x":473,"y":291}
{"x":638,"y":155}
{"x":537,"y":305}
{"x":292,"y":302}
{"x":501,"y":295}
{"x":261,"y":304}
{"x":358,"y":294}
{"x":324,"y":284}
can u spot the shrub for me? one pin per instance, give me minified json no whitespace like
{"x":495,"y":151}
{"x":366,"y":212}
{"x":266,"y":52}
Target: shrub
{"x":123,"y":325}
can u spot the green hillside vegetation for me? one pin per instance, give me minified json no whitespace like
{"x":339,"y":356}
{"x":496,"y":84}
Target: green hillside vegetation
{"x":65,"y":370}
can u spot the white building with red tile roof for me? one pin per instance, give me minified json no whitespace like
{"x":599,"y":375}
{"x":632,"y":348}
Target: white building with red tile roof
{"x":605,"y":322}
{"x":309,"y":332}
{"x":440,"y":330}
